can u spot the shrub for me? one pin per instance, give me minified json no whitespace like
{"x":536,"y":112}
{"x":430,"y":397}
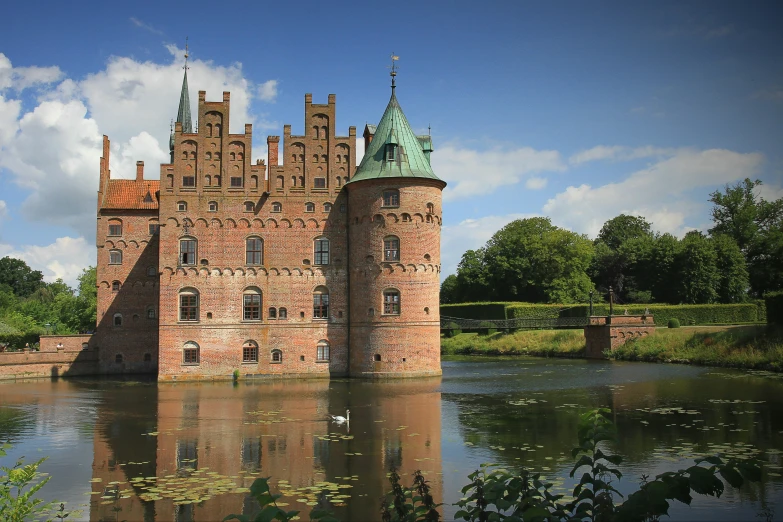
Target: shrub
{"x":479,"y":311}
{"x":674,"y":323}
{"x":452,"y":330}
{"x":487,"y":328}
{"x":774,"y":307}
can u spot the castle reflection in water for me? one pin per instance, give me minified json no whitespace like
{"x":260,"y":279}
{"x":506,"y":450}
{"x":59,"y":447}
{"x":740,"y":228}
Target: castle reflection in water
{"x":229,"y":435}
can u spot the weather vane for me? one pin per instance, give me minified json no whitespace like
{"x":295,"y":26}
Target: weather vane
{"x":393,"y":67}
{"x":186,"y":54}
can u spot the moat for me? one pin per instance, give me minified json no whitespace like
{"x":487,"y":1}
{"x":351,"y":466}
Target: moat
{"x":140,"y":450}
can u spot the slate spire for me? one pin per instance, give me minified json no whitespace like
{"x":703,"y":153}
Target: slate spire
{"x":183,"y":114}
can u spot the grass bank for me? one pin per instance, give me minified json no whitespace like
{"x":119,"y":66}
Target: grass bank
{"x":759,"y":346}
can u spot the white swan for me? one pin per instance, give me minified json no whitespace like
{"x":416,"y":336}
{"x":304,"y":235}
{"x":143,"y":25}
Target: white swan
{"x":339,"y":419}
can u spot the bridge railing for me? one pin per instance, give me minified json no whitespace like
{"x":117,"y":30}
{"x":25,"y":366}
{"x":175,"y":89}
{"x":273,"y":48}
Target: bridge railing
{"x":517,"y":323}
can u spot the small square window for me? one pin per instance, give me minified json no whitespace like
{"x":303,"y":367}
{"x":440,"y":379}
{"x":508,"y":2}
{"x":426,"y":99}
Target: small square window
{"x":188,"y":181}
{"x":213,"y":206}
{"x":249,"y":206}
{"x":182,"y":206}
{"x":115,"y":230}
{"x":309,"y":207}
{"x":277,"y":207}
{"x":319,"y":182}
{"x":391,"y":198}
{"x":250,"y":354}
{"x":236,"y":181}
{"x":115,"y":257}
{"x":327,"y":207}
{"x":190,"y":356}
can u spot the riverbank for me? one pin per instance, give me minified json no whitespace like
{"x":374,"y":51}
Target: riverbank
{"x":752,"y":347}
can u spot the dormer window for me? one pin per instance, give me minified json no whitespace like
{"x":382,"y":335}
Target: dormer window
{"x":391,"y":152}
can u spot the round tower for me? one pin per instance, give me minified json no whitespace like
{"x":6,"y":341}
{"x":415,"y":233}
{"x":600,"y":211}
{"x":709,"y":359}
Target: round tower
{"x":394,"y":209}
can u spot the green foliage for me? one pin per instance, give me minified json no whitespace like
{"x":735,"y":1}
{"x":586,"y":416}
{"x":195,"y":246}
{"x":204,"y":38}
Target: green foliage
{"x":732,"y":270}
{"x":673,"y":323}
{"x":452,"y":330}
{"x":21,"y":278}
{"x":413,"y":504}
{"x":774,"y":306}
{"x":260,"y":491}
{"x":478,"y":311}
{"x":698,"y":275}
{"x":449,"y":290}
{"x":487,"y":328}
{"x":533,"y":311}
{"x":18,"y":486}
{"x":545,"y":343}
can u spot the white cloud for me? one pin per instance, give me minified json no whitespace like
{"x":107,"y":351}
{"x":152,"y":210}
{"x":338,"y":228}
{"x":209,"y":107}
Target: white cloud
{"x":9,"y":114}
{"x":618,"y":153}
{"x":770,"y":192}
{"x":658,"y":192}
{"x":20,"y":78}
{"x":471,"y":172}
{"x":469,"y":234}
{"x":145,"y":26}
{"x":267,"y":91}
{"x":65,"y":258}
{"x":535,"y":183}
{"x":3,"y":209}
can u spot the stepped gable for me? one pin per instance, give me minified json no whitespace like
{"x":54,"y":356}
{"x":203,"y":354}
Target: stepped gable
{"x":129,"y":194}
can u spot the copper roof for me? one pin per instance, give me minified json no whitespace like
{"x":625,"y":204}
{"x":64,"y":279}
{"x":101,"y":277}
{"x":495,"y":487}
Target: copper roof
{"x":131,"y":194}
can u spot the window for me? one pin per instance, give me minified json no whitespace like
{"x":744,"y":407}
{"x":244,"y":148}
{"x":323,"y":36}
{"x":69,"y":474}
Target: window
{"x":391,"y":302}
{"x":182,"y":206}
{"x":309,"y":207}
{"x":117,"y":320}
{"x":154,"y":229}
{"x":327,"y":207}
{"x":188,"y":305}
{"x":277,"y":207}
{"x":322,"y":351}
{"x":187,"y":252}
{"x":147,"y":357}
{"x":277,"y":356}
{"x":391,"y":152}
{"x":251,"y":304}
{"x":321,"y":251}
{"x":115,"y":229}
{"x":249,"y":206}
{"x":115,"y":257}
{"x":213,"y":206}
{"x":152,"y":271}
{"x":254,"y":251}
{"x":282,"y":313}
{"x":150,"y":313}
{"x":430,"y":208}
{"x":118,"y":358}
{"x":272,"y":314}
{"x":321,"y":303}
{"x":377,"y":357}
{"x":391,"y":249}
{"x":250,"y":352}
{"x":343,"y":208}
{"x":188,"y":181}
{"x":115,"y":286}
{"x":236,"y":181}
{"x":391,"y":198}
{"x":190,"y":354}
{"x":319,"y":183}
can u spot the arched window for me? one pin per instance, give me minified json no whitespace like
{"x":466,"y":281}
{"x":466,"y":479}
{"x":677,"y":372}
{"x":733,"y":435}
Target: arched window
{"x":182,"y":206}
{"x":218,"y":128}
{"x":391,"y":198}
{"x":209,"y":130}
{"x":117,"y":320}
{"x":208,"y":156}
{"x":188,"y":304}
{"x":251,"y":304}
{"x":118,"y":358}
{"x":213,"y":206}
{"x":151,"y":313}
{"x":277,"y":356}
{"x":190,"y":354}
{"x":391,"y":248}
{"x":322,"y":350}
{"x":115,"y":257}
{"x":272,"y":313}
{"x":232,"y":156}
{"x":250,"y":352}
{"x":321,"y":303}
{"x":327,"y":207}
{"x":249,"y":206}
{"x":309,"y":207}
{"x":115,"y":227}
{"x":152,"y":271}
{"x":430,"y":208}
{"x":391,"y":302}
{"x":115,"y":286}
{"x":323,"y":133}
{"x":277,"y":207}
{"x":281,"y":182}
{"x":254,"y":251}
{"x":187,"y":251}
{"x":315,"y":132}
{"x":282,"y":313}
{"x":321,"y":251}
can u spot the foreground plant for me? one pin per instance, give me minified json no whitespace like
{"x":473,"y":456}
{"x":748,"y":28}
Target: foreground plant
{"x":260,"y":491}
{"x":18,"y":487}
{"x":409,"y":504}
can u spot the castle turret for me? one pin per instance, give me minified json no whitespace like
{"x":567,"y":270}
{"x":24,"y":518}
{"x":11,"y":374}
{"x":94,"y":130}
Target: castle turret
{"x":394,"y":245}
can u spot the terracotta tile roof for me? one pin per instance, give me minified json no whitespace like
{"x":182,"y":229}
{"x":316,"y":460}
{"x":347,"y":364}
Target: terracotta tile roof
{"x":131,"y":194}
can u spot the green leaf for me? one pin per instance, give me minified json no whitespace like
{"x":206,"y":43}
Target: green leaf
{"x":241,"y":518}
{"x":732,"y":476}
{"x":259,"y":486}
{"x":704,"y":481}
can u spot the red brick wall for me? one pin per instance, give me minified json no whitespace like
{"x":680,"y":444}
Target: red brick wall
{"x":408,"y":343}
{"x":610,"y":332}
{"x":59,"y":355}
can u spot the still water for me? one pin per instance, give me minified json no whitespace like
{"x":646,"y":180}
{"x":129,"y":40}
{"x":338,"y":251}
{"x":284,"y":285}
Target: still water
{"x":139,"y":450}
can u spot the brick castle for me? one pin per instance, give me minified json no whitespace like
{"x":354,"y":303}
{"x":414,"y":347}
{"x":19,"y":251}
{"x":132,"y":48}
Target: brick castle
{"x":312,"y":266}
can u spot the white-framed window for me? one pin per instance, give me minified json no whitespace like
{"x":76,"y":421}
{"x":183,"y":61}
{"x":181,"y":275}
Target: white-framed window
{"x":277,"y":207}
{"x":191,"y":355}
{"x":254,"y":251}
{"x":250,"y":352}
{"x":182,"y":206}
{"x":391,"y":248}
{"x":309,"y":207}
{"x":115,"y":228}
{"x":391,"y":301}
{"x":322,"y":350}
{"x":276,"y":356}
{"x":212,"y":206}
{"x":188,"y":304}
{"x":321,"y":303}
{"x":321,"y":251}
{"x":251,"y":304}
{"x":391,"y":198}
{"x":115,"y":257}
{"x":187,"y":251}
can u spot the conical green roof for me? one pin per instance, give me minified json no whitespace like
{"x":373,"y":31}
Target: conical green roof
{"x":410,"y":160}
{"x":183,"y":114}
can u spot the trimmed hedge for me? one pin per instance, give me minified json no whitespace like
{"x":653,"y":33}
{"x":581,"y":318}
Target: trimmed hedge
{"x":533,"y":310}
{"x":774,"y":304}
{"x":479,"y":311}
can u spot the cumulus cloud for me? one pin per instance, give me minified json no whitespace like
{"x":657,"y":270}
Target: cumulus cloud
{"x":658,"y":192}
{"x":3,"y":209}
{"x":472,"y":172}
{"x":617,"y":153}
{"x":65,"y":258}
{"x":267,"y":91}
{"x":53,"y":148}
{"x":535,"y":183}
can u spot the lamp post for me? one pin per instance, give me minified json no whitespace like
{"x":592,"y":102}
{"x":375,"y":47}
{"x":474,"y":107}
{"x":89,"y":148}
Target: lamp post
{"x":611,"y":301}
{"x":47,"y":326}
{"x":591,"y":303}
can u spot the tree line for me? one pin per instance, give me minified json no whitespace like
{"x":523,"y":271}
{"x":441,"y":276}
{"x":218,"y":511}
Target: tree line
{"x":29,"y":305}
{"x":531,"y":260}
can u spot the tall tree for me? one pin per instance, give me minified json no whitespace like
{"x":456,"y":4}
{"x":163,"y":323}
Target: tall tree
{"x":622,"y":244}
{"x":449,"y":291}
{"x":21,"y":278}
{"x":660,"y":272}
{"x":618,"y":230}
{"x":697,"y":270}
{"x":472,"y":278}
{"x":733,"y":272}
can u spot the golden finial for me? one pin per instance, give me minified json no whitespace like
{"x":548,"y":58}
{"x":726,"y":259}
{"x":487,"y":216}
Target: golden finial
{"x":393,"y":67}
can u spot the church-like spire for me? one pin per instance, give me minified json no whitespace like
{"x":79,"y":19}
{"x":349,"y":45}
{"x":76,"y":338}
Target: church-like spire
{"x":183,"y":114}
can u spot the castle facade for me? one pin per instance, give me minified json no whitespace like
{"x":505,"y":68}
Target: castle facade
{"x":309,"y":266}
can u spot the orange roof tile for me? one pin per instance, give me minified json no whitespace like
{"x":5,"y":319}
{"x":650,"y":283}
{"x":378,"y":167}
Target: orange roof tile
{"x":131,"y":194}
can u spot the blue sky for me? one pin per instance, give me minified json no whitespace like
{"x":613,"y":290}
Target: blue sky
{"x":574,"y":110}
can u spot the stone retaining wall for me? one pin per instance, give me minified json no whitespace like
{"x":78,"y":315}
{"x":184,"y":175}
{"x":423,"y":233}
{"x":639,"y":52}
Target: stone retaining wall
{"x":59,"y":355}
{"x":606,"y":333}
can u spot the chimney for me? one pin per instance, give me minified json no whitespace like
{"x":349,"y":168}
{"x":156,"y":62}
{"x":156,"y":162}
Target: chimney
{"x":368,"y":136}
{"x":272,"y":143}
{"x":308,"y":99}
{"x":139,"y":171}
{"x":332,"y":99}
